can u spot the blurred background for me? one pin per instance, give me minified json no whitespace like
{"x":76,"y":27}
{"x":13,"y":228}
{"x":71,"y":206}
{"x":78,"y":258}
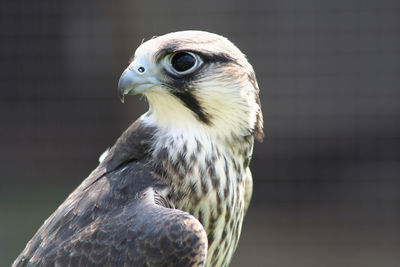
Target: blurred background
{"x":327,"y":176}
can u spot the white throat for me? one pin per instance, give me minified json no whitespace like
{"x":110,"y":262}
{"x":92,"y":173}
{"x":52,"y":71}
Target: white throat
{"x":227,"y":122}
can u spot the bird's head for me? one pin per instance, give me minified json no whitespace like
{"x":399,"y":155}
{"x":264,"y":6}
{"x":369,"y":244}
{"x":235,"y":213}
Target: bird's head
{"x":195,"y":81}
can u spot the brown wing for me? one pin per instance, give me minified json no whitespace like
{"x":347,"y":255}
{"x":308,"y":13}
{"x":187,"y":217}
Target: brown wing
{"x":117,"y":222}
{"x":119,"y":216}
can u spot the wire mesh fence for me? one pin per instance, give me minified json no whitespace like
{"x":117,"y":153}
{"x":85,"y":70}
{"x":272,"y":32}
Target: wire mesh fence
{"x":327,"y":186}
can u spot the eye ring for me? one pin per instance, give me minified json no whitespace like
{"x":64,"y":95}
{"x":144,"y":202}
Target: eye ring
{"x":184,"y":62}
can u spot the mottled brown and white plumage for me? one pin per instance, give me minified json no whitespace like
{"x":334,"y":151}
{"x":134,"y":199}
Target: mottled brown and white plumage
{"x":174,"y":188}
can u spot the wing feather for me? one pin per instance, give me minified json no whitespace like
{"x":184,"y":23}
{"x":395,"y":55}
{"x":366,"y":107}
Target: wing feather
{"x":116,"y":221}
{"x":119,"y":216}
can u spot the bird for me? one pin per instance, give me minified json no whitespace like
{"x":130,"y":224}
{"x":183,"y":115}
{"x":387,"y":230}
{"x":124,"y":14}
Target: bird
{"x":174,"y":188}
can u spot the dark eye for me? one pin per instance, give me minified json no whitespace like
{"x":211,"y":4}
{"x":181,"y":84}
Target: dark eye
{"x":182,"y":61}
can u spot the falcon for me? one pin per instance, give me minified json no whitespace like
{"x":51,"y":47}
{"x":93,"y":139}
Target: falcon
{"x":174,"y":188}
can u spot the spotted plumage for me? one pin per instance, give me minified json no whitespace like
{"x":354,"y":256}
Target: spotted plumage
{"x":174,"y":188}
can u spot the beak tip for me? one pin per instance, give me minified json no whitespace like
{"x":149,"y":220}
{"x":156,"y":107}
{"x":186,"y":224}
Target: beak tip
{"x":123,"y":84}
{"x":121,"y":98}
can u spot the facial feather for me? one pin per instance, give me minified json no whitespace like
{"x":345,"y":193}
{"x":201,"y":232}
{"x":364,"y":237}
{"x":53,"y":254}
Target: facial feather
{"x":219,"y":98}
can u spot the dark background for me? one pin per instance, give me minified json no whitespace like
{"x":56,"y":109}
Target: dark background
{"x":327,"y":186}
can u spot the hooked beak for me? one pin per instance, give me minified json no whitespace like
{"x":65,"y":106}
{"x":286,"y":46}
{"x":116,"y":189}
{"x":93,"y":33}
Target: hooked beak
{"x":132,"y":83}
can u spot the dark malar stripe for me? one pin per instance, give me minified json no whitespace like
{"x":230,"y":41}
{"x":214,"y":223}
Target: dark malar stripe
{"x":191,"y":103}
